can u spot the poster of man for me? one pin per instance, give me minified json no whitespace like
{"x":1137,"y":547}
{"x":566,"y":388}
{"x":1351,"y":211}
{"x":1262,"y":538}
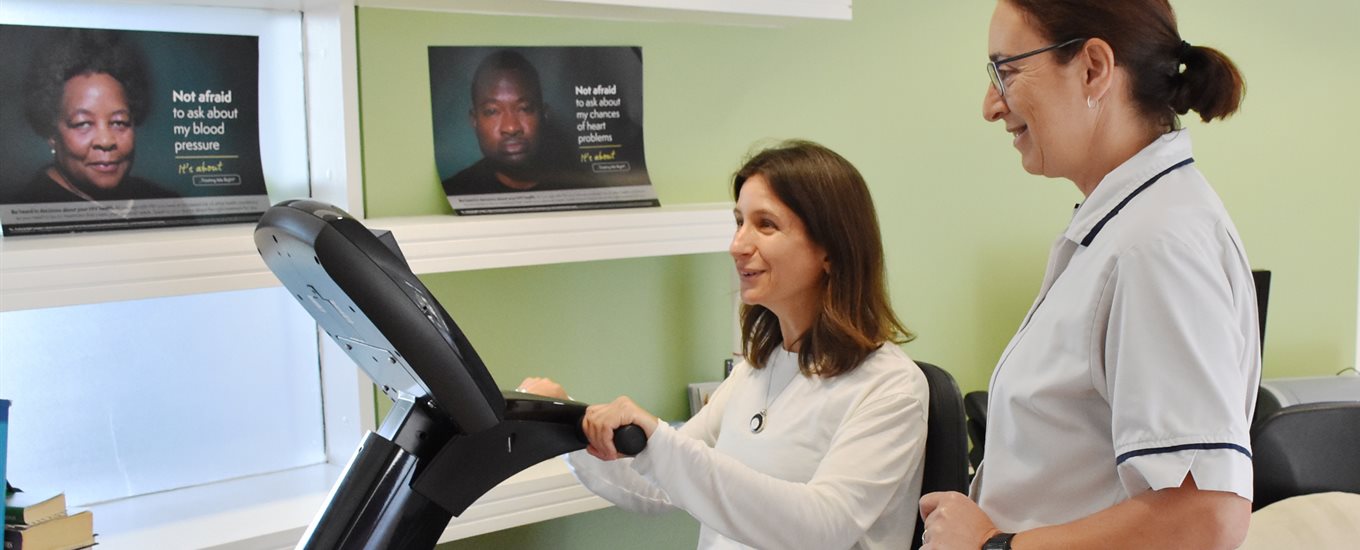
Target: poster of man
{"x":111,"y":129}
{"x":521,"y":129}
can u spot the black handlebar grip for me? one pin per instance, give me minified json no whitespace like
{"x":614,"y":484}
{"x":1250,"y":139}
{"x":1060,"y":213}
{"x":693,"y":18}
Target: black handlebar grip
{"x":630,"y":440}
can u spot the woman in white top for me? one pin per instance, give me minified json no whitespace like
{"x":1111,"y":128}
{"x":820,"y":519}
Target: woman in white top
{"x":1119,"y":414}
{"x":816,"y":439}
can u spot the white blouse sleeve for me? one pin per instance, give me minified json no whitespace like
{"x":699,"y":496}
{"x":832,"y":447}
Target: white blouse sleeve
{"x":617,"y":482}
{"x":1181,"y":365}
{"x":876,"y":447}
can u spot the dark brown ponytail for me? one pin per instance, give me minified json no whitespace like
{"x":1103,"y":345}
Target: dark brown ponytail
{"x":1169,"y":77}
{"x":1210,"y":84}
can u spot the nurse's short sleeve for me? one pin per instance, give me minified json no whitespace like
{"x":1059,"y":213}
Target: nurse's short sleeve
{"x":1179,"y":368}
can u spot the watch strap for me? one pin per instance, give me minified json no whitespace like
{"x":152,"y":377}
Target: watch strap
{"x":999,"y":541}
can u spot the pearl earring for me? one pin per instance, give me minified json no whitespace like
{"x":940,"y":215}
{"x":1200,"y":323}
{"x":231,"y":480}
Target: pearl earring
{"x":1091,"y":103}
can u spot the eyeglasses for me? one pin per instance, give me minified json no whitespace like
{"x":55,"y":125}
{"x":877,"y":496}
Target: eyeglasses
{"x":995,"y":73}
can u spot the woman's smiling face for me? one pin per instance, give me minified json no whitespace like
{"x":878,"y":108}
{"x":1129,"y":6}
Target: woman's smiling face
{"x":779,"y":266}
{"x":1042,"y":97}
{"x":93,"y":145}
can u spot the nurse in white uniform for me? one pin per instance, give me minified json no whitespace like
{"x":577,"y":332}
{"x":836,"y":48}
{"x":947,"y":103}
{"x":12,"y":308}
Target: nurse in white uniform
{"x":1118,"y":416}
{"x":816,"y":439}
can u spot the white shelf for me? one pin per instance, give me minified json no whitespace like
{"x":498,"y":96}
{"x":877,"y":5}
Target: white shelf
{"x":721,"y":11}
{"x":545,"y":491}
{"x":656,"y":10}
{"x":439,"y":244}
{"x":816,"y":9}
{"x":60,"y":270}
{"x":272,"y":511}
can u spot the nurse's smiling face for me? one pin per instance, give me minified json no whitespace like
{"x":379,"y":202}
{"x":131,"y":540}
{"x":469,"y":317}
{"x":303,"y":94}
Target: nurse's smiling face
{"x":779,"y":266}
{"x":1042,"y":97}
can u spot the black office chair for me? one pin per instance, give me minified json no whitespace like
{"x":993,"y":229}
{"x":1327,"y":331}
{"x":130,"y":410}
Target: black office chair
{"x":946,"y":457}
{"x":975,"y":404}
{"x":1305,"y":449}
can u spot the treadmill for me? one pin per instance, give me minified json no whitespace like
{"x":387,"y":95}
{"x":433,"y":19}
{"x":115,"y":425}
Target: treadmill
{"x":451,"y":434}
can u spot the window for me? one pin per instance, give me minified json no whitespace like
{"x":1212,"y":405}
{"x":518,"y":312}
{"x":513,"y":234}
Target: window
{"x":119,"y":399}
{"x":129,"y":398}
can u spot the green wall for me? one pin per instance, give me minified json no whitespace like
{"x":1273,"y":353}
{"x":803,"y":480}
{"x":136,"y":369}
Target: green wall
{"x":897,"y":91}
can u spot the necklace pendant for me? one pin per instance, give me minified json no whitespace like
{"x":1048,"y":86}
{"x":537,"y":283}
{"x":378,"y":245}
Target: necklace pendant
{"x":758,"y":422}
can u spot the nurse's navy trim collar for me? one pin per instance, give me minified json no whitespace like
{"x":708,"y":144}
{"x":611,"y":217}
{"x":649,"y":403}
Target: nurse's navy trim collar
{"x":1101,"y":224}
{"x":1188,"y":447}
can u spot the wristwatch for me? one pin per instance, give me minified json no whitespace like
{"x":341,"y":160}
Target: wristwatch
{"x":999,"y":541}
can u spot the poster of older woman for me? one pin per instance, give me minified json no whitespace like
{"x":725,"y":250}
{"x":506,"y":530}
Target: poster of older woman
{"x":110,"y":129}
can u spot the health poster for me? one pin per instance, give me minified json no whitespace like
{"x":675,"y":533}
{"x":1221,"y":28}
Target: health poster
{"x":523,"y":129}
{"x":114,"y":129}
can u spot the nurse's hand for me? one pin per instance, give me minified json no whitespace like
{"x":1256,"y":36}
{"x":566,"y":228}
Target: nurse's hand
{"x":601,"y":421}
{"x":953,"y":521}
{"x":542,"y":386}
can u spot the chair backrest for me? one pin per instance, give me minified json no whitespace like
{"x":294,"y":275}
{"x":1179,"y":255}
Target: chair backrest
{"x":975,"y":405}
{"x":1305,"y":449}
{"x":1261,"y":278}
{"x":946,"y":457}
